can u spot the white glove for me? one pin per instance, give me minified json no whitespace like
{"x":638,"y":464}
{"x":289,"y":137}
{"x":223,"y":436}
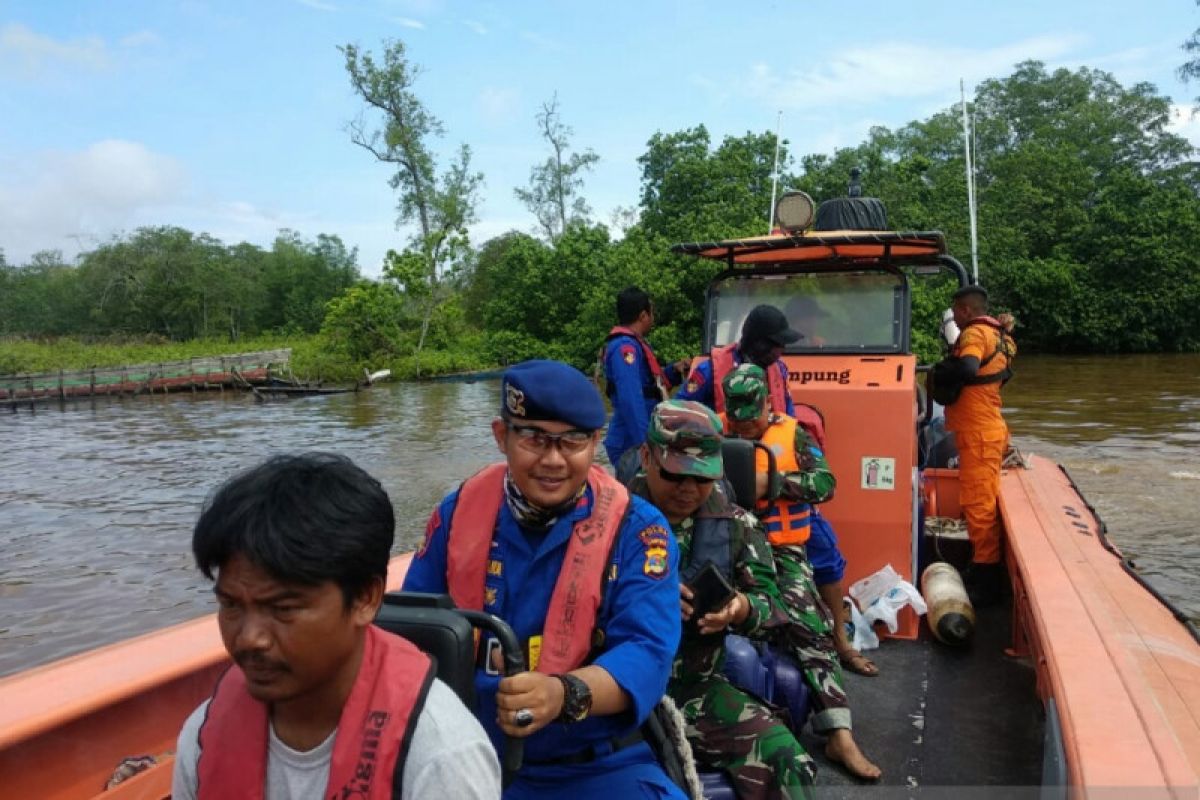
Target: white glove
{"x":949,"y":327}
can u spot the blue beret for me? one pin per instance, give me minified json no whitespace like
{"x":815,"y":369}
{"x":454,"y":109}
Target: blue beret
{"x":551,"y":391}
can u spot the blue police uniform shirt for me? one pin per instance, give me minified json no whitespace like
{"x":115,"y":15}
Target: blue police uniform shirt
{"x":639,"y":616}
{"x":699,"y":385}
{"x":634,"y":394}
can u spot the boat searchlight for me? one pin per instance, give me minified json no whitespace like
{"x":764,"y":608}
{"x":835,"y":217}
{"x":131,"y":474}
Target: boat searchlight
{"x":794,"y":212}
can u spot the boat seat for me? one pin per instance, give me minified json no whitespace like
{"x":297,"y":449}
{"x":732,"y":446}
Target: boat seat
{"x":716,"y":786}
{"x":431,"y":623}
{"x":935,"y":445}
{"x":766,"y":674}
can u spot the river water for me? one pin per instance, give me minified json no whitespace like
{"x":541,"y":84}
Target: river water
{"x":97,"y":499}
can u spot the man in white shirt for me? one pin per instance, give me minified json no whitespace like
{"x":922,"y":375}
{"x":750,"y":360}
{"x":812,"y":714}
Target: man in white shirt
{"x":319,"y":702}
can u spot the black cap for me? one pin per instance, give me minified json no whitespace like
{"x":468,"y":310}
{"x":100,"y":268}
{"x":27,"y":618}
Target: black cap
{"x":767,"y":323}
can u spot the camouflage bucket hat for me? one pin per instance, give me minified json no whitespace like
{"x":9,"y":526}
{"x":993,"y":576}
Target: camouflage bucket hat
{"x":684,"y":437}
{"x":745,"y":391}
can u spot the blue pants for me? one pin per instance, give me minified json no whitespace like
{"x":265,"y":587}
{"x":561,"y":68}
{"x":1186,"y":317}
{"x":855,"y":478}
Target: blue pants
{"x":631,"y":774}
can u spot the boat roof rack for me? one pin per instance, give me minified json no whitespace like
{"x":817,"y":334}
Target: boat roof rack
{"x":814,"y":246}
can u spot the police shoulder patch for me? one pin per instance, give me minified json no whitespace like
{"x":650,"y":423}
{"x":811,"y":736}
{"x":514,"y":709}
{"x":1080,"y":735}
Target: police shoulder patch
{"x":656,"y":565}
{"x":628,"y":355}
{"x":655,"y":539}
{"x":654,"y":536}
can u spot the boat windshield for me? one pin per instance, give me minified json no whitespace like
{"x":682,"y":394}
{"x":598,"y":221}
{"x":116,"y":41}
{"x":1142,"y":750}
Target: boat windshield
{"x":859,"y":312}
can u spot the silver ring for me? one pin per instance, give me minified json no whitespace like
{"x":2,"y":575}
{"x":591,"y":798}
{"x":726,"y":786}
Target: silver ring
{"x":523,"y":718}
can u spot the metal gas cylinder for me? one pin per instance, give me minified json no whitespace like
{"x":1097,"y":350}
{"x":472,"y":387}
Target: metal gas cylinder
{"x":950,"y":616}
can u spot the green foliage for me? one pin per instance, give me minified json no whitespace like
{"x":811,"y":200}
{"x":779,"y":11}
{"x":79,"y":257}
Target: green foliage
{"x":553,"y":194}
{"x":363,"y":323}
{"x":469,"y":356}
{"x":1088,"y":215}
{"x":1087,"y":205}
{"x":693,"y":193}
{"x":441,"y":206}
{"x":171,"y":283}
{"x":20,"y":356}
{"x":300,"y":278}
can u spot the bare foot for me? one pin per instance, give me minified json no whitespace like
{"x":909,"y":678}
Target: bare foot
{"x":843,"y":750}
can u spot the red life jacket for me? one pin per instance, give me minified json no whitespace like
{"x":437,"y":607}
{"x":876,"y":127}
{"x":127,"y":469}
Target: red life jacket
{"x":813,"y":423}
{"x":575,"y":602}
{"x":656,"y":371}
{"x":373,"y":732}
{"x":723,"y":364}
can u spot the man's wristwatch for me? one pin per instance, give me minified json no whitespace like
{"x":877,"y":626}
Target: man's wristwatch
{"x":577,"y":699}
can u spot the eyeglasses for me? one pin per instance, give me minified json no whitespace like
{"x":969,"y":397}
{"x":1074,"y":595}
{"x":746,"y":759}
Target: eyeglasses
{"x":675,"y":477}
{"x":536,"y":440}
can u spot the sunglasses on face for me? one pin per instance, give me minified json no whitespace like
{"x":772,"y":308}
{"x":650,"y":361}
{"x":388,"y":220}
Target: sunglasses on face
{"x":536,"y":440}
{"x":675,"y":477}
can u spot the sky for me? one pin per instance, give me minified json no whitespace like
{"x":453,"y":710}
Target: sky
{"x":230,"y":118}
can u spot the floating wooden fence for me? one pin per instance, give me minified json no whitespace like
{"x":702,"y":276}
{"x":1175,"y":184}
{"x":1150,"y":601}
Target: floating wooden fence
{"x":194,"y":374}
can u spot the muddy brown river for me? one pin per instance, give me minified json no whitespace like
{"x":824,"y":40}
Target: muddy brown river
{"x":97,"y":499}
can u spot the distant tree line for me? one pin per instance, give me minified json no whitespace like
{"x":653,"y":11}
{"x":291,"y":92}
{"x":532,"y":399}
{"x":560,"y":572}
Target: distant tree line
{"x":1088,"y":215}
{"x":176,"y":285}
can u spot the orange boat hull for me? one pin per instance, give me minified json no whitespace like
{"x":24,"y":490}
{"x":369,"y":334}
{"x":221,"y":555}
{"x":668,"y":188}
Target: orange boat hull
{"x":66,"y":726}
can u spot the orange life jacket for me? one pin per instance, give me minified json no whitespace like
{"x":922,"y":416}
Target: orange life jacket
{"x":575,"y":602}
{"x":661,"y":383}
{"x":723,"y":364}
{"x":373,"y":732}
{"x":787,"y":521}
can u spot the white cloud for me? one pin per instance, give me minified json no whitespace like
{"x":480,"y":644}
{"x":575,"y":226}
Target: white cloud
{"x":866,"y":75}
{"x":408,"y":22}
{"x":542,"y":41}
{"x":319,"y":5}
{"x":476,"y":26}
{"x":27,"y":54}
{"x":1185,"y":122}
{"x":71,"y":200}
{"x":142,"y":38}
{"x":809,"y":136}
{"x":498,"y":104}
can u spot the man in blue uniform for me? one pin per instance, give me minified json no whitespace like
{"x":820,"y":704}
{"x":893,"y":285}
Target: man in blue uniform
{"x":635,"y":381}
{"x":765,"y":333}
{"x":587,"y":577}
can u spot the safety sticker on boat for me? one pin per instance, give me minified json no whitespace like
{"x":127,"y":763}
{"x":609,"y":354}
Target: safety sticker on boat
{"x":878,"y":473}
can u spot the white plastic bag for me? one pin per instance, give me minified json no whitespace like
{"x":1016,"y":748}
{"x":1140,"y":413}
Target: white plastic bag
{"x":887,"y":607}
{"x":862,"y":635}
{"x":882,"y":595}
{"x":869,"y":589}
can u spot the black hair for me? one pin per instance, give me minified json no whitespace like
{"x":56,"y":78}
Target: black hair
{"x":305,"y":518}
{"x":973,"y":290}
{"x":631,"y":302}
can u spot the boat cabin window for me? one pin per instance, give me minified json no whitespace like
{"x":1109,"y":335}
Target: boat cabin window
{"x":838,"y":312}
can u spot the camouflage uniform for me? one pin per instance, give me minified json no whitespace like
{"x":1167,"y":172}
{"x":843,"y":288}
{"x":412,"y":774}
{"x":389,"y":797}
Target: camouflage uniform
{"x":728,"y":728}
{"x":809,"y":639}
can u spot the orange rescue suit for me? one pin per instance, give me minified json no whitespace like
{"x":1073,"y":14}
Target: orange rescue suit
{"x":981,"y":436}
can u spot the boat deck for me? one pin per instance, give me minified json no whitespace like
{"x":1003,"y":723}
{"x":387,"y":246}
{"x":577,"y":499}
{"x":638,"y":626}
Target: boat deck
{"x":939,"y":721}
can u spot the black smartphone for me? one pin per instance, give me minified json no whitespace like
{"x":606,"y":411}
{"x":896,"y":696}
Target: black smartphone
{"x":710,"y":592}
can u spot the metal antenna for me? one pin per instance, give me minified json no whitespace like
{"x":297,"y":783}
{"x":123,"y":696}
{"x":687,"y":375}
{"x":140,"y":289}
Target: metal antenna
{"x":970,"y":185}
{"x":774,"y":176}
